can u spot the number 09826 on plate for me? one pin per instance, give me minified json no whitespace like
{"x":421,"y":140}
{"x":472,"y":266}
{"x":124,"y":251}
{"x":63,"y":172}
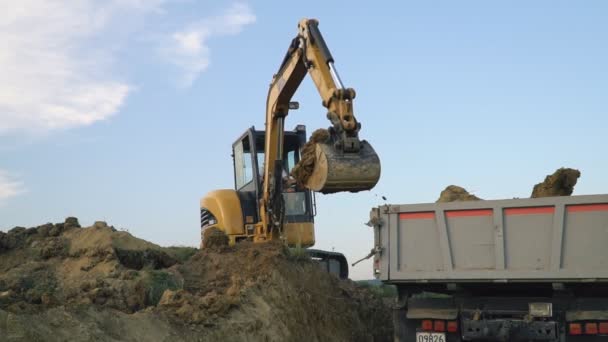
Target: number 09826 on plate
{"x":430,"y":337}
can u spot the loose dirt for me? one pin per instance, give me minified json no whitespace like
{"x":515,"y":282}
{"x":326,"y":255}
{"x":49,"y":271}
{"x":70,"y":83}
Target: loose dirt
{"x":454,"y":193}
{"x":304,"y":168}
{"x":560,"y":183}
{"x":61,"y":282}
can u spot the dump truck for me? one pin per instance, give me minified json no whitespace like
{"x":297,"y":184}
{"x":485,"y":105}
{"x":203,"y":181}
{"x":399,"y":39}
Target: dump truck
{"x":496,"y":270}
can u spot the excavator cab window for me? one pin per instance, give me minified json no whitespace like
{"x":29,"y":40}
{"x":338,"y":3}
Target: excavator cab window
{"x":291,"y":159}
{"x":243,"y":163}
{"x":248,"y":158}
{"x":295,"y":203}
{"x":245,"y":170}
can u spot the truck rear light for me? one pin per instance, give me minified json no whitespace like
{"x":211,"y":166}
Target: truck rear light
{"x":575,"y":329}
{"x":452,"y":326}
{"x":439,"y":326}
{"x":591,"y":328}
{"x":427,"y":325}
{"x":603,"y":328}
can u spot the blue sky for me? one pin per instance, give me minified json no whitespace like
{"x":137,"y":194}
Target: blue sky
{"x":126,"y":110}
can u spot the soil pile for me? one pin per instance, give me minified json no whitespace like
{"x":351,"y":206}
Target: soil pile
{"x":62,"y":282}
{"x":560,"y":183}
{"x":454,"y":193}
{"x":304,"y":168}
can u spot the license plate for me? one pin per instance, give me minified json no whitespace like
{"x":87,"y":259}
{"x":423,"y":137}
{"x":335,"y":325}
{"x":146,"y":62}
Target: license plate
{"x":430,"y":337}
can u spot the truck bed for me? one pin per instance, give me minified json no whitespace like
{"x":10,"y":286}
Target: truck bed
{"x":552,"y":239}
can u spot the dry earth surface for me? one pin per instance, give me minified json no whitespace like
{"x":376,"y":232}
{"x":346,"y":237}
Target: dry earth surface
{"x":62,"y":282}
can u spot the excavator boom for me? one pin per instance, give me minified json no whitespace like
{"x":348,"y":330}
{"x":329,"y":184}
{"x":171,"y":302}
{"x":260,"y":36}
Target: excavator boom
{"x":340,"y":161}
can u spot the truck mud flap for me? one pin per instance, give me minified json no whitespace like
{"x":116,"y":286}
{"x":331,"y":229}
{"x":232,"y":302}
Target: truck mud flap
{"x":436,"y":308}
{"x":508,"y":330}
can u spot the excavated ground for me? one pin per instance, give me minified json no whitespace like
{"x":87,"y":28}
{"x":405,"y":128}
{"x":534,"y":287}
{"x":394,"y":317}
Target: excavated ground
{"x":61,"y":282}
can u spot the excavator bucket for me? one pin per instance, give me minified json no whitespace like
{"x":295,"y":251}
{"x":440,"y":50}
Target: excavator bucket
{"x":336,"y":171}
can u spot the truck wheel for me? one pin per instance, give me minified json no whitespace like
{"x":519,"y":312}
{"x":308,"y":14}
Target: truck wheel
{"x":405,"y":329}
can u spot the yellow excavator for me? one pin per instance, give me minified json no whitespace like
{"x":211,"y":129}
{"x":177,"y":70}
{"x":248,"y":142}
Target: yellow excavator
{"x":266,"y":203}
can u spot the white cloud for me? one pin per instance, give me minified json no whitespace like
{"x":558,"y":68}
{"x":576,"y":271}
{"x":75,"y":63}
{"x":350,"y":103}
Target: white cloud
{"x":188,"y":48}
{"x":56,"y":57}
{"x":9,"y":186}
{"x":51,"y":79}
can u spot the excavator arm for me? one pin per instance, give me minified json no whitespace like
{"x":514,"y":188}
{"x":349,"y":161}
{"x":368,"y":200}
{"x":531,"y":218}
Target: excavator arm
{"x":341,"y":163}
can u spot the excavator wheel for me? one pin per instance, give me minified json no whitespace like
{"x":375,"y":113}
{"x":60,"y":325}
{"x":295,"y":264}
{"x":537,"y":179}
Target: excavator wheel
{"x":332,"y":262}
{"x":336,"y":171}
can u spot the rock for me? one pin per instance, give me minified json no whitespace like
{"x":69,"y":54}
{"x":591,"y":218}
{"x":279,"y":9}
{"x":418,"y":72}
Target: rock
{"x":3,"y":242}
{"x":47,"y":299}
{"x":150,"y":258}
{"x":55,"y":231}
{"x":71,"y":222}
{"x":17,"y":230}
{"x":100,"y":224}
{"x":15,"y":238}
{"x":6,"y":296}
{"x":33,"y":296}
{"x":100,"y":295}
{"x":30,"y":231}
{"x":54,"y":247}
{"x":210,"y":298}
{"x":171,"y":298}
{"x":44,"y":229}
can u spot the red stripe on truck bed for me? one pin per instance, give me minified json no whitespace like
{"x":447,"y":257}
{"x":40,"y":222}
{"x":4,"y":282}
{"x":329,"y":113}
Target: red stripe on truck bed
{"x":473,"y":212}
{"x":529,"y":210}
{"x":587,"y":207}
{"x":417,"y":215}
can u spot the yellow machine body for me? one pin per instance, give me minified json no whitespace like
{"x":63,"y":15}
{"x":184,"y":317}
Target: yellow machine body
{"x":265,"y":204}
{"x":223,"y":207}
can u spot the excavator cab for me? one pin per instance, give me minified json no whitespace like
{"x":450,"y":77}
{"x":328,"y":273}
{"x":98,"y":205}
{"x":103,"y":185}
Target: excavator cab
{"x":298,"y":202}
{"x":248,"y":159}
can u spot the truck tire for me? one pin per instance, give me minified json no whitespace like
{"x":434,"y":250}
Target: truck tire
{"x":405,"y":329}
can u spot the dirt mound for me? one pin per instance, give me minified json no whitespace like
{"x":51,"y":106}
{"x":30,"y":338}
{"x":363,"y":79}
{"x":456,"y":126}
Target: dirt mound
{"x":304,"y":168}
{"x":214,"y":238}
{"x":59,"y":282}
{"x":453,"y":193}
{"x":560,"y":183}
